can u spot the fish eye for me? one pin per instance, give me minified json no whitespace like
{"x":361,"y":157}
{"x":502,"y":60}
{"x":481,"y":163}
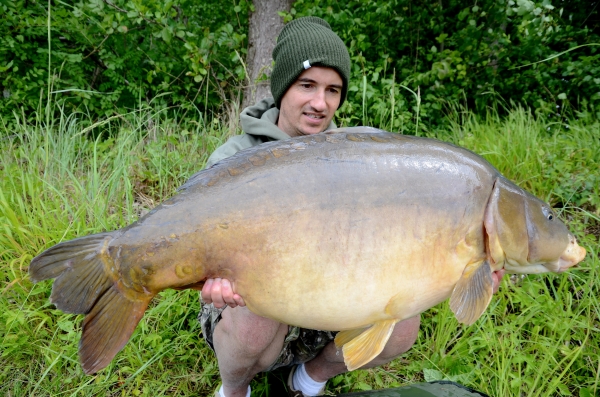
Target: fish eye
{"x":548,"y":213}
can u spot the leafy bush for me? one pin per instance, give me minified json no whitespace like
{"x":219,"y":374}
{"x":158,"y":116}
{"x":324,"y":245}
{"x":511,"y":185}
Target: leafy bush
{"x":109,"y":56}
{"x":456,"y":52}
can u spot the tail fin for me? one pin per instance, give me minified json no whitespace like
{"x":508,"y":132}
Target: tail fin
{"x":107,"y":328}
{"x":84,"y":286}
{"x":78,"y":268}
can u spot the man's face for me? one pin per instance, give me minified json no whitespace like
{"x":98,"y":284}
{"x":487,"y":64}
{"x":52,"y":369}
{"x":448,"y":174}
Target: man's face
{"x":309,"y":104}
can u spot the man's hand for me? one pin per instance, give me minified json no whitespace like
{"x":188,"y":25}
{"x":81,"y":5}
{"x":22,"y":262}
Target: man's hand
{"x":220,"y":293}
{"x":496,"y":279}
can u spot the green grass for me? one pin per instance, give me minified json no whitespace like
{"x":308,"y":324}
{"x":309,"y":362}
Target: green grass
{"x":540,"y":336}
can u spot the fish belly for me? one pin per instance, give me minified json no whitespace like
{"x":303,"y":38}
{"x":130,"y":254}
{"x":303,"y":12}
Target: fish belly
{"x":336,"y":271}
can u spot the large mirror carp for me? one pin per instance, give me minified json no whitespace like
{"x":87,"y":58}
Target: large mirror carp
{"x":353,"y":231}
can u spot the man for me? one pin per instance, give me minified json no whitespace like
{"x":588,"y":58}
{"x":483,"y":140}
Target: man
{"x":309,"y":83}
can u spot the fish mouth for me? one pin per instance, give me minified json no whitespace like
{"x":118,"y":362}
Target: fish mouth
{"x":571,"y":256}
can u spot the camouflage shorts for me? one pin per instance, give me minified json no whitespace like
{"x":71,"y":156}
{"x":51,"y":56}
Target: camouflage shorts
{"x":300,"y":344}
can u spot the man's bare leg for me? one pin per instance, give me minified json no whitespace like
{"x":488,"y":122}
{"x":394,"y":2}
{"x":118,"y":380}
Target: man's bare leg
{"x":245,"y":344}
{"x":329,"y":363}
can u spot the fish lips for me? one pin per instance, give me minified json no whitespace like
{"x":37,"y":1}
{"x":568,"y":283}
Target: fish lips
{"x":571,"y":256}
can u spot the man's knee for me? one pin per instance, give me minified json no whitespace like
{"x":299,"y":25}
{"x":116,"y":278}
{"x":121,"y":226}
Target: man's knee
{"x":251,"y":334}
{"x":402,"y":339}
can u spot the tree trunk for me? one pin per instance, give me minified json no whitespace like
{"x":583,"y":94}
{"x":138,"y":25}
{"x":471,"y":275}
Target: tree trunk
{"x":265,"y":25}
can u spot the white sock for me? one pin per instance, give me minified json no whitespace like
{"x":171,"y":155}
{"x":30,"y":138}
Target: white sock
{"x":304,"y":383}
{"x":222,"y":393}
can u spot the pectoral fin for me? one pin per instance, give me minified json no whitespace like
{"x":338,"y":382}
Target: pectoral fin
{"x":473,"y":292}
{"x":361,"y":346}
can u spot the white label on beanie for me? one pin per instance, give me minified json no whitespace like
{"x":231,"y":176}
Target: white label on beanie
{"x":306,"y":64}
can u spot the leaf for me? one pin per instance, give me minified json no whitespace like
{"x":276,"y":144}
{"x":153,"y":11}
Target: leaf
{"x":363,"y":386}
{"x":166,"y":35}
{"x":5,"y":68}
{"x":564,"y":390}
{"x":432,"y":375}
{"x":585,"y":392}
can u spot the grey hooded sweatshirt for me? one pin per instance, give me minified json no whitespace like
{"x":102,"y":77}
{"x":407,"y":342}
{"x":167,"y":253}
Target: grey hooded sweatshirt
{"x":259,"y":123}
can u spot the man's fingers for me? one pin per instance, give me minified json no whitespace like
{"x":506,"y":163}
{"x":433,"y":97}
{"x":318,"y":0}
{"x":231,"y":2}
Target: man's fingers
{"x":219,"y":292}
{"x":206,"y":291}
{"x":227,"y":293}
{"x":239,"y":300}
{"x":216,"y":293}
{"x":497,"y":279}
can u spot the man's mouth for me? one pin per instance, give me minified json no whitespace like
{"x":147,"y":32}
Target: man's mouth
{"x":314,"y":116}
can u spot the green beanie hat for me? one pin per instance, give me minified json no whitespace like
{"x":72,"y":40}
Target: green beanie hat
{"x":306,"y":42}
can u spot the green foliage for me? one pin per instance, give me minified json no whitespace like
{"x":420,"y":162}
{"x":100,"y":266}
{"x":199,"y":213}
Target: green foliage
{"x":112,"y":56}
{"x":469,"y":53}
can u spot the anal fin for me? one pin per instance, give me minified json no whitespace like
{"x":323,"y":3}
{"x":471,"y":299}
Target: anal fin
{"x":360,"y":346}
{"x":344,"y":337}
{"x":473,"y":292}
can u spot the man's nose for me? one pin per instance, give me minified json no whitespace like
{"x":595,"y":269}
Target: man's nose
{"x":318,"y":101}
